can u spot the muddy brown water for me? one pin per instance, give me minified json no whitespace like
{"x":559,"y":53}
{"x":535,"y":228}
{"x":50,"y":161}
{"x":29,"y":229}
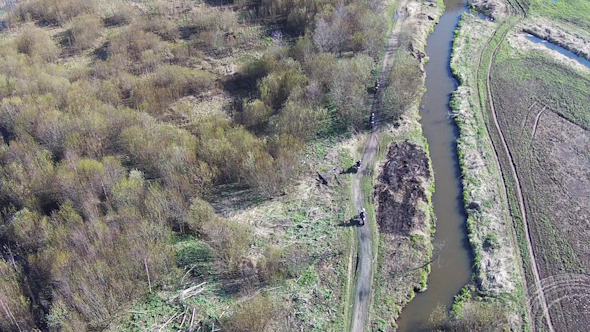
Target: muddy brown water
{"x":451,"y":268}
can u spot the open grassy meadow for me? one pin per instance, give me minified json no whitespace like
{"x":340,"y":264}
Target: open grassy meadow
{"x":575,"y":12}
{"x":543,"y":110}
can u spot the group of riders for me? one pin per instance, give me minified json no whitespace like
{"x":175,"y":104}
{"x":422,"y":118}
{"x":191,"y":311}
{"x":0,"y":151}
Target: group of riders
{"x":362,"y":216}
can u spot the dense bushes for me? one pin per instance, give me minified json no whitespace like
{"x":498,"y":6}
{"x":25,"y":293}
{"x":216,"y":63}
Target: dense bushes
{"x":14,"y":306}
{"x":35,"y":42}
{"x":136,"y":51}
{"x":295,"y":15}
{"x":51,"y":11}
{"x":349,"y":87}
{"x":84,"y":31}
{"x":403,"y":86}
{"x":84,"y":252}
{"x":168,"y":83}
{"x":98,"y":172}
{"x":254,"y":315}
{"x":299,"y":83}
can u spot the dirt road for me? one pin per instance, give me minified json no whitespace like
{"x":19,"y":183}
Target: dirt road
{"x":364,"y":262}
{"x":513,"y":173}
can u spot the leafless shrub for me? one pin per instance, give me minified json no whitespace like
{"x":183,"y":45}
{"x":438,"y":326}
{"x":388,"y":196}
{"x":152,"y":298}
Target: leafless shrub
{"x":35,"y":42}
{"x":51,"y":12}
{"x":84,"y":31}
{"x":254,"y":315}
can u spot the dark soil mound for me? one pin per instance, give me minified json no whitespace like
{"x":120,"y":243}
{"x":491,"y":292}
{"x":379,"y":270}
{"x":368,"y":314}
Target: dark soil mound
{"x":400,"y":189}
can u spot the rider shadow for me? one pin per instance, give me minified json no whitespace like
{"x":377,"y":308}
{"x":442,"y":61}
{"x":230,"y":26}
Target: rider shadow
{"x":350,"y":223}
{"x":351,"y":170}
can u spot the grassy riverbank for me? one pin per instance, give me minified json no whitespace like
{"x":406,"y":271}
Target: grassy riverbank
{"x":541,"y":107}
{"x":571,"y":11}
{"x":401,"y":263}
{"x":490,"y":227}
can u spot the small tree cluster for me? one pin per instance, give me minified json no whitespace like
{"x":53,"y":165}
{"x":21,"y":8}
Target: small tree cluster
{"x":36,"y":42}
{"x":403,"y":86}
{"x":356,"y":28}
{"x":51,"y":12}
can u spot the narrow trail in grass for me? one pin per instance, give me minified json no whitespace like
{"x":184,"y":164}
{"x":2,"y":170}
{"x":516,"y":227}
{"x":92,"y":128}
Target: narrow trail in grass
{"x":364,"y":263}
{"x":537,"y":124}
{"x":541,"y":299}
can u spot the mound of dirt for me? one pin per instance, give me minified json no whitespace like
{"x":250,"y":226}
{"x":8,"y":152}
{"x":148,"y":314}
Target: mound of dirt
{"x":490,"y":8}
{"x":400,"y":189}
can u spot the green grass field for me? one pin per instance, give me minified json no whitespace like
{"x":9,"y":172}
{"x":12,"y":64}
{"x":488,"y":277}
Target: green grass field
{"x":542,"y":78}
{"x":543,"y":110}
{"x":573,"y":11}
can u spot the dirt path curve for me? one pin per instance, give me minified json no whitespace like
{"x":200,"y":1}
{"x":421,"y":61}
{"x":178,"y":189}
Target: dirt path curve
{"x":364,"y":262}
{"x":513,"y":174}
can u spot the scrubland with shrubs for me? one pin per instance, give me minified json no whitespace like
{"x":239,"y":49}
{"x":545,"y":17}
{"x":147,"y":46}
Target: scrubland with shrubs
{"x":109,"y":160}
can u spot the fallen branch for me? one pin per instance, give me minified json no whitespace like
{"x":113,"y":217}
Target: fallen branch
{"x":137,"y":312}
{"x":190,"y":327}
{"x":189,"y":292}
{"x":192,"y":291}
{"x":147,"y":272}
{"x":183,"y":318}
{"x":168,"y":321}
{"x":187,"y":272}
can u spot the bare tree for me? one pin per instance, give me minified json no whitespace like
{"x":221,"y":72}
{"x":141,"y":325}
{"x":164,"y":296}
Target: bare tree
{"x":340,"y":29}
{"x":333,"y":35}
{"x":322,"y":38}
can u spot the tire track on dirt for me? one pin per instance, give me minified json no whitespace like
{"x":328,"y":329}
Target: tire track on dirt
{"x":559,"y":289}
{"x":528,"y":111}
{"x":537,"y":123}
{"x":363,"y":273}
{"x":513,"y":173}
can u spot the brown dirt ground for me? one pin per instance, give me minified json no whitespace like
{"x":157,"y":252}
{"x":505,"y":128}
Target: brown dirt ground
{"x":552,"y":156}
{"x":400,"y":189}
{"x":558,"y":191}
{"x":401,"y":193}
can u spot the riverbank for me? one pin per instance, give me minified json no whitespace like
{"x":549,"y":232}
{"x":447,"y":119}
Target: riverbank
{"x":491,"y":233}
{"x":401,"y":259}
{"x":528,"y":99}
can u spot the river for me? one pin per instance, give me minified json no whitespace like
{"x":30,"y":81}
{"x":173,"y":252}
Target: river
{"x":451,"y":269}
